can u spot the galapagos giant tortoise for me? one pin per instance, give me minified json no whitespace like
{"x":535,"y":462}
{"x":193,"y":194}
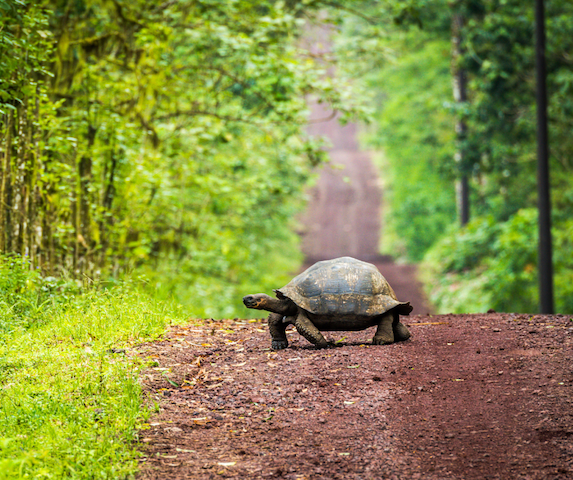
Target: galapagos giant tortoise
{"x":339,"y":294}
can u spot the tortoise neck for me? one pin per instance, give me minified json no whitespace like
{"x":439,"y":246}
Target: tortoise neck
{"x":280,"y":306}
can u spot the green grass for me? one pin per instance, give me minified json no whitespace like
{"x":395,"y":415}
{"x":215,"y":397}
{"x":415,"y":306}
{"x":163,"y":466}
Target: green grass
{"x":69,"y":406}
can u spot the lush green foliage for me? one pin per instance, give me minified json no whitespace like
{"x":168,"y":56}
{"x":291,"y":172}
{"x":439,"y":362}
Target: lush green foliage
{"x":501,"y":114}
{"x":501,"y":139}
{"x":163,"y":137}
{"x":69,"y":406}
{"x":490,"y":264}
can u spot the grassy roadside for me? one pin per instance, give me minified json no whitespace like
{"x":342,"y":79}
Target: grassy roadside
{"x":70,"y":401}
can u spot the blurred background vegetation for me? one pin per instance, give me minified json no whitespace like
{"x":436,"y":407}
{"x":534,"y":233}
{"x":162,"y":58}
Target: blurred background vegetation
{"x":169,"y":141}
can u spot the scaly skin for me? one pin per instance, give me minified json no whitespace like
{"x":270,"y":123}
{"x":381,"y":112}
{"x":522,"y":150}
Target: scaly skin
{"x":277,"y":330}
{"x":261,"y":301}
{"x":307,"y":329}
{"x":384,"y":333}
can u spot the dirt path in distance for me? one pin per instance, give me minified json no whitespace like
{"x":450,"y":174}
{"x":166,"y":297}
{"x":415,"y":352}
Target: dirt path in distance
{"x":344,"y":212}
{"x":467,"y":397}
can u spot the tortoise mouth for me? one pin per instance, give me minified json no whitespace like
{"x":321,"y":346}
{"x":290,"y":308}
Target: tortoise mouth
{"x":250,"y":301}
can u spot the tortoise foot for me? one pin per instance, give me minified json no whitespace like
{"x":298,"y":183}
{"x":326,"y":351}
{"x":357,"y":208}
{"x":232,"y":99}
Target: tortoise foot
{"x":279,"y":344}
{"x":320,"y":345}
{"x":382,"y":340}
{"x":384,"y":333}
{"x":401,"y":332}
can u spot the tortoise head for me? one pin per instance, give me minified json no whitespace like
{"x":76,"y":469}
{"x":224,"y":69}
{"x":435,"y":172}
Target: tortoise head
{"x":261,"y":301}
{"x":257,"y":301}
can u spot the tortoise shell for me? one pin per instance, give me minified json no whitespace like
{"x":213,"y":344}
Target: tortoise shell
{"x":343,"y":286}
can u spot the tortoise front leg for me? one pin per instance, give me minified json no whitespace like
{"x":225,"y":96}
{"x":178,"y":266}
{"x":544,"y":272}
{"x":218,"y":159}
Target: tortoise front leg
{"x":384,"y":333}
{"x":307,"y":329}
{"x":277,"y":330}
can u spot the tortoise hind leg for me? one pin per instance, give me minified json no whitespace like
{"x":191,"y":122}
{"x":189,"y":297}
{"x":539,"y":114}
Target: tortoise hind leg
{"x":308,"y":330}
{"x":385,"y":332}
{"x":277,"y":330}
{"x":401,"y":332}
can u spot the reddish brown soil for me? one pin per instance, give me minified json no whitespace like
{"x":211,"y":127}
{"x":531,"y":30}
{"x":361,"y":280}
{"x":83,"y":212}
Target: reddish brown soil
{"x":467,"y":397}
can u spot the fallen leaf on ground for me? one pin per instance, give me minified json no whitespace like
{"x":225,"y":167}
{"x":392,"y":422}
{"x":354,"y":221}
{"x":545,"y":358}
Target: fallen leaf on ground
{"x":200,"y":421}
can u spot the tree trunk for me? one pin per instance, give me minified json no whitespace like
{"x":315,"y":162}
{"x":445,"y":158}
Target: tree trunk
{"x":6,"y":189}
{"x":4,"y":179}
{"x":545,"y":248}
{"x":84,"y":241}
{"x":460,"y":96}
{"x":107,"y":202}
{"x":19,"y":207}
{"x":32,"y":237}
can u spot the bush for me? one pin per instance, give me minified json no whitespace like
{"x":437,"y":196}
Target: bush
{"x":494,"y":265}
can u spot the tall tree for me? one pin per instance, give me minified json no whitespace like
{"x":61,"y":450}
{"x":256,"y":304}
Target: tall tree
{"x":460,"y":96}
{"x":543,"y":184}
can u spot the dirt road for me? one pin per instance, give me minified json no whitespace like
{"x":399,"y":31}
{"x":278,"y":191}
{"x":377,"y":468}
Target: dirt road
{"x":467,"y":397}
{"x":343,"y":215}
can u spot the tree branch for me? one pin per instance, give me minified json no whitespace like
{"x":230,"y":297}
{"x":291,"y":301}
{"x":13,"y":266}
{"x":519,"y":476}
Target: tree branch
{"x":371,"y":21}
